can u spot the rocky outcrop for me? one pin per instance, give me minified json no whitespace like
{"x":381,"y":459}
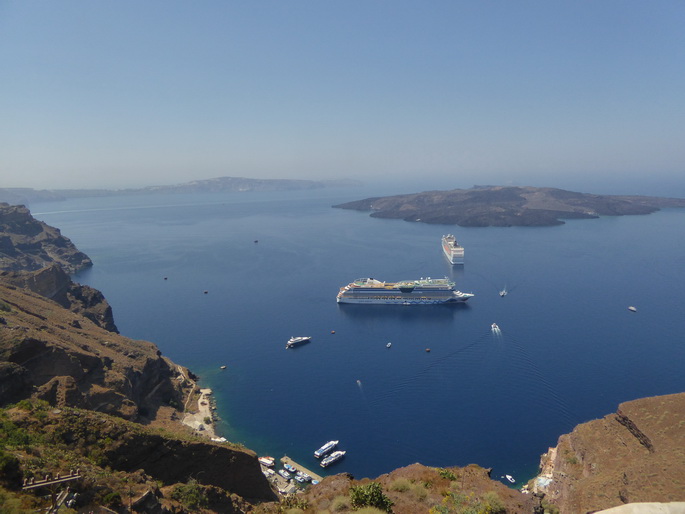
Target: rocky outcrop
{"x":634,"y":455}
{"x":27,"y":244}
{"x":130,"y":448}
{"x":506,"y":206}
{"x":58,"y":355}
{"x":418,"y":489}
{"x":52,"y":282}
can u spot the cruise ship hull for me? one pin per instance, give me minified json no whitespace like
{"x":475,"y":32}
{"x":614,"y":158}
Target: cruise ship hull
{"x":403,"y":300}
{"x":420,"y":292}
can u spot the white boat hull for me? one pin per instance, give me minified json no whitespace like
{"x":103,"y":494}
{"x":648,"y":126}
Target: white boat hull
{"x":403,"y":301}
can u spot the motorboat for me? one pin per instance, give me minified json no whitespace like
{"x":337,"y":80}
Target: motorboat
{"x":267,"y":461}
{"x":297,"y":340}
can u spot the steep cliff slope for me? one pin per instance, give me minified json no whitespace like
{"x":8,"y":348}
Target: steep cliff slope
{"x":116,"y":459}
{"x":634,"y":455}
{"x":27,"y":244}
{"x":66,"y":359}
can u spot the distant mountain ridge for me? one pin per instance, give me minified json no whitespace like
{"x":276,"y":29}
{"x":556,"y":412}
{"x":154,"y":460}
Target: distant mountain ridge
{"x":499,"y":206}
{"x":24,"y":196}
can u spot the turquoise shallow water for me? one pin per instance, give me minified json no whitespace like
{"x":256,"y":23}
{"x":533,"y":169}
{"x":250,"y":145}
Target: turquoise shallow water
{"x":569,"y":349}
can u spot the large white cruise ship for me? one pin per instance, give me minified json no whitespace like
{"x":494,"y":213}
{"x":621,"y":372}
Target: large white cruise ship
{"x":424,"y":291}
{"x":453,"y":250}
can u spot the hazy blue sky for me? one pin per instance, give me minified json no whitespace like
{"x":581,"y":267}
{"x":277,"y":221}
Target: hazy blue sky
{"x":131,"y":93}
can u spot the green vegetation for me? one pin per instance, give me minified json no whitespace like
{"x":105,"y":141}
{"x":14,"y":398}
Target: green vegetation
{"x":12,"y":436}
{"x":112,"y":499}
{"x":293,"y":503}
{"x":5,"y":307}
{"x":446,"y":473}
{"x":207,"y":420}
{"x":548,"y":508}
{"x":460,"y":503}
{"x":191,"y":495}
{"x":370,"y":495}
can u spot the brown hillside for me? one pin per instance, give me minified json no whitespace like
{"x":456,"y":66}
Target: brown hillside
{"x":634,"y":455}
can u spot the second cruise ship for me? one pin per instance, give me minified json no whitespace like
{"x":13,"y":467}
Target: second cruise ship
{"x":453,"y":250}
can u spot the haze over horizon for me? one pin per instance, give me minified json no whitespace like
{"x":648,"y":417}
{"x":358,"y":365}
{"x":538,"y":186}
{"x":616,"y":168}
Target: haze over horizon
{"x":446,"y":94}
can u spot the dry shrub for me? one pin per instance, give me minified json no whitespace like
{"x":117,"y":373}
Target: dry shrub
{"x":401,"y":485}
{"x":341,"y":504}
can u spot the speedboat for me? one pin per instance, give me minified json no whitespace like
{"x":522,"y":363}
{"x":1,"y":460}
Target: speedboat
{"x":302,"y":477}
{"x":495,"y":328}
{"x":289,"y":468}
{"x":284,"y":474}
{"x":510,"y":478}
{"x":297,"y":340}
{"x":632,"y":309}
{"x":503,"y":292}
{"x":388,"y":345}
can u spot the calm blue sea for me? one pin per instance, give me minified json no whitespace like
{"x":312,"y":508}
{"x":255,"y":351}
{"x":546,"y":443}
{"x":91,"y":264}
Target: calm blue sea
{"x":569,"y":349}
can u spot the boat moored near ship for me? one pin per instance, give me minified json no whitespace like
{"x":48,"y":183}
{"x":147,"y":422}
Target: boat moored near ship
{"x":325,"y":449}
{"x":424,"y":291}
{"x":332,"y":458}
{"x":452,"y":249}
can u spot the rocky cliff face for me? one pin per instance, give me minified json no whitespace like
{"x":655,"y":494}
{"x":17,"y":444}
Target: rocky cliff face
{"x":27,"y":244}
{"x":146,"y":463}
{"x":67,"y":359}
{"x":52,"y":282}
{"x":634,"y":455}
{"x":59,"y":344}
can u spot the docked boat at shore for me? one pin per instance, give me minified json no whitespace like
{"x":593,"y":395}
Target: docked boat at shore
{"x":297,"y":340}
{"x":267,"y":461}
{"x":452,"y":249}
{"x":332,"y":458}
{"x":325,"y":449}
{"x":424,"y":291}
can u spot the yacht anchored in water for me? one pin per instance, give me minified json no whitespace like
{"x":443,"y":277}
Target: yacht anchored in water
{"x":333,"y":457}
{"x":297,"y":340}
{"x":424,"y":291}
{"x":325,"y":449}
{"x":453,"y":250}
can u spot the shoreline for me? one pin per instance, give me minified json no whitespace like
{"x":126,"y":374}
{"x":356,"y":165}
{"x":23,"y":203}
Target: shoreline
{"x":197,"y":421}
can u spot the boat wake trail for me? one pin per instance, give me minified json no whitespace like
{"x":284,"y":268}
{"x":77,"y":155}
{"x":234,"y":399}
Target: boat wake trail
{"x":541,"y":390}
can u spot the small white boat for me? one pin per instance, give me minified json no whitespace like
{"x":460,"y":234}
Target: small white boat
{"x":388,"y":345}
{"x":297,"y":340}
{"x":632,"y":309}
{"x":284,"y":474}
{"x":510,"y":478}
{"x":222,"y":367}
{"x":266,"y":461}
{"x":495,"y":328}
{"x":503,"y":292}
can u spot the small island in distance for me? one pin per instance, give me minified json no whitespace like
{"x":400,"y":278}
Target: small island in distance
{"x":504,"y":206}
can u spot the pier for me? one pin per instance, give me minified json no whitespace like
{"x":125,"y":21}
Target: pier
{"x":288,"y":460}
